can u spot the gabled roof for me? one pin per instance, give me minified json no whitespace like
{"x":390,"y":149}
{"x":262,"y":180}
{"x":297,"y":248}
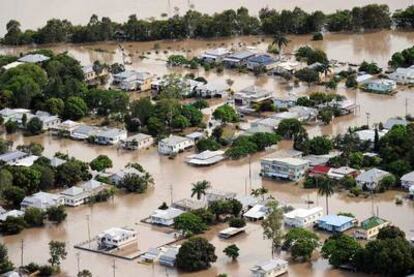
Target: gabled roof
{"x":372,"y":175}
{"x":268,"y":266}
{"x":372,"y":222}
{"x":73,"y":191}
{"x":174,"y":140}
{"x":33,"y":58}
{"x":167,"y":214}
{"x":395,"y":121}
{"x":9,"y":156}
{"x":409,"y":177}
{"x":336,"y":220}
{"x":262,"y":59}
{"x":302,"y":213}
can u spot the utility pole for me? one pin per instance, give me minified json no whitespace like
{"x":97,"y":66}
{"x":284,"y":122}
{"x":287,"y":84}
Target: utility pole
{"x":22,"y":252}
{"x":89,"y":230}
{"x":114,"y":267}
{"x":406,"y":106}
{"x":171,"y":194}
{"x":250,"y":171}
{"x":368,"y":116}
{"x":78,"y":260}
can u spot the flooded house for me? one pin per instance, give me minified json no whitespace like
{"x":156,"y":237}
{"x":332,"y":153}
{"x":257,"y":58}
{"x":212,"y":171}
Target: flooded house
{"x":370,"y":228}
{"x":369,"y":134}
{"x":219,"y":195}
{"x":285,"y":168}
{"x":34,"y":58}
{"x":257,"y":212}
{"x":117,"y":237}
{"x":83,"y":132}
{"x":214,"y":89}
{"x":26,"y":161}
{"x":270,"y":123}
{"x":286,"y":67}
{"x":215,"y":55}
{"x":78,"y":195}
{"x":165,"y":217}
{"x":91,"y":76}
{"x":168,"y":257}
{"x":174,"y":145}
{"x":391,"y":122}
{"x":111,"y":136}
{"x":65,"y":129}
{"x":285,"y":102}
{"x":48,"y":121}
{"x":246,"y":99}
{"x":231,"y":232}
{"x":263,"y":61}
{"x":336,"y":223}
{"x":302,"y":217}
{"x":271,"y":268}
{"x":407,"y":180}
{"x":15,"y":115}
{"x":342,"y":172}
{"x":382,"y":86}
{"x":237,"y":59}
{"x":117,"y":177}
{"x":403,"y":76}
{"x":304,"y":114}
{"x":189,"y":204}
{"x":136,"y":142}
{"x":13,"y":156}
{"x":371,"y":178}
{"x":42,"y":200}
{"x":12,"y":213}
{"x":206,"y":158}
{"x":130,"y":80}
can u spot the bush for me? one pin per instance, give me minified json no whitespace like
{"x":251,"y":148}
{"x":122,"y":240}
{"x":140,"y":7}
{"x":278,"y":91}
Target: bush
{"x":207,"y":144}
{"x":317,"y":36}
{"x":237,"y":222}
{"x":46,"y":270}
{"x":34,"y":126}
{"x":56,"y":214}
{"x":11,"y":127}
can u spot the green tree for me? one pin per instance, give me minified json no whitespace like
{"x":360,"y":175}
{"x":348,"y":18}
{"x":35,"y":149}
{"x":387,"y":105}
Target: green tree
{"x":189,"y":224}
{"x":232,"y":251}
{"x":32,"y":148}
{"x":26,"y":178}
{"x":280,"y":40}
{"x":54,"y":106}
{"x":72,"y":172}
{"x":390,"y":232}
{"x":12,"y":225}
{"x":320,"y":145}
{"x":195,"y":254}
{"x":75,"y":108}
{"x":34,"y":126}
{"x":207,"y":144}
{"x":5,"y":264}
{"x":225,"y":113}
{"x":180,"y":122}
{"x":272,"y":224}
{"x":289,"y":128}
{"x":11,"y":127}
{"x":85,"y":273}
{"x":237,"y":222}
{"x":326,"y":115}
{"x":101,"y":163}
{"x":34,"y":217}
{"x":13,"y":35}
{"x":57,"y":251}
{"x":301,"y":243}
{"x":13,"y":195}
{"x":259,"y":192}
{"x":56,"y":214}
{"x":340,"y":250}
{"x":136,"y":183}
{"x":307,"y":75}
{"x":200,"y":188}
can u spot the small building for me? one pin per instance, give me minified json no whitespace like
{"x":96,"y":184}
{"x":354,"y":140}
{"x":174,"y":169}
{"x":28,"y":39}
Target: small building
{"x":271,"y":268}
{"x":363,"y":78}
{"x":369,"y":134}
{"x":118,"y":176}
{"x":336,"y":223}
{"x":246,"y":99}
{"x":268,"y":122}
{"x":165,"y":217}
{"x":286,"y":67}
{"x":285,"y":102}
{"x":111,"y":136}
{"x":169,"y":257}
{"x":315,"y":160}
{"x":381,"y":86}
{"x":300,"y":113}
{"x":116,"y":238}
{"x":78,"y":195}
{"x":302,"y":217}
{"x":83,"y":132}
{"x":262,"y":61}
{"x":370,"y":179}
{"x":391,"y":122}
{"x":138,"y":141}
{"x":258,"y":129}
{"x":12,"y":213}
{"x":33,"y":58}
{"x":48,"y":121}
{"x":188,"y":204}
{"x":215,"y":89}
{"x":286,"y":168}
{"x":174,"y":144}
{"x":42,"y":200}
{"x":231,"y":232}
{"x":65,"y":129}
{"x":15,"y":115}
{"x":195,"y":136}
{"x":370,"y":228}
{"x":411,"y":192}
{"x":319,"y":170}
{"x":55,"y":162}
{"x":11,"y":65}
{"x":257,"y":212}
{"x":403,"y":76}
{"x":407,"y":180}
{"x":26,"y":161}
{"x":129,"y":80}
{"x":206,"y":158}
{"x":237,"y":59}
{"x":13,"y":156}
{"x":342,"y":172}
{"x":91,"y":77}
{"x":218,"y":195}
{"x":247,"y":201}
{"x":214,"y":55}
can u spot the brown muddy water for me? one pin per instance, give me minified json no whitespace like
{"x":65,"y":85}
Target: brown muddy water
{"x":34,"y":13}
{"x":128,"y":210}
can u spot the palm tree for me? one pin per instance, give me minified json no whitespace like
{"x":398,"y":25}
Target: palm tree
{"x":199,"y":189}
{"x":259,"y":192}
{"x":280,"y":40}
{"x":326,"y":68}
{"x":325,"y":188}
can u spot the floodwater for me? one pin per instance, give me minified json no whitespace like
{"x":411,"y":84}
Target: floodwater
{"x":34,"y":13}
{"x":128,"y":210}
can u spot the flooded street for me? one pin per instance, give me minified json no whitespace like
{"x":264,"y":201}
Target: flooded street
{"x":79,"y":11}
{"x":128,"y":210}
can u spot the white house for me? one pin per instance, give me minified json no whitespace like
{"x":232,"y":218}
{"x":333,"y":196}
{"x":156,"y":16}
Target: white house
{"x":13,"y":156}
{"x":78,"y":195}
{"x":26,"y":161}
{"x":138,"y":141}
{"x":83,"y":132}
{"x":407,"y":180}
{"x":116,"y":237}
{"x":257,"y":212}
{"x":215,"y":55}
{"x":391,"y":122}
{"x":271,"y":268}
{"x":174,"y":144}
{"x":65,"y":129}
{"x":371,"y":178}
{"x":285,"y":168}
{"x":12,"y":213}
{"x":33,"y":58}
{"x":217,"y":89}
{"x":369,"y":134}
{"x":217,"y":195}
{"x":302,"y":217}
{"x":237,"y":59}
{"x":42,"y":200}
{"x":110,"y":136}
{"x":269,"y":122}
{"x":132,"y":80}
{"x":48,"y":121}
{"x":246,"y":98}
{"x":298,"y":112}
{"x":341,"y":172}
{"x":370,"y":228}
{"x":403,"y":76}
{"x":206,"y":158}
{"x":381,"y":85}
{"x":15,"y":115}
{"x":119,"y":175}
{"x":165,"y":217}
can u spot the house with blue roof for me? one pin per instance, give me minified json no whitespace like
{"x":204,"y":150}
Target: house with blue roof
{"x":261,"y":61}
{"x":336,"y":223}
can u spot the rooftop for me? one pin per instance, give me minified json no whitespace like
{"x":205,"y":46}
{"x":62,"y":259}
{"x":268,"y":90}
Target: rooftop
{"x":372,"y":222}
{"x":262,"y":59}
{"x":336,"y":220}
{"x":13,"y":155}
{"x":268,"y":265}
{"x":288,"y":160}
{"x":167,"y":214}
{"x":372,"y":175}
{"x":173,"y":140}
{"x":409,"y":177}
{"x":33,"y":58}
{"x":303,"y":212}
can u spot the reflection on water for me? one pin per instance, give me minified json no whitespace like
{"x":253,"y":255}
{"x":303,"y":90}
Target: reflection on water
{"x":127,"y":210}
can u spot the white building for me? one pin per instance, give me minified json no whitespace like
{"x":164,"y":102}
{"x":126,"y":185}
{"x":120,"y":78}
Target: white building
{"x":132,"y":80}
{"x":403,"y":76}
{"x":206,"y":158}
{"x":174,"y":144}
{"x":370,"y":228}
{"x":246,"y":98}
{"x":138,"y":141}
{"x":12,"y":213}
{"x":407,"y":180}
{"x":271,"y":268}
{"x":391,"y":122}
{"x":341,"y":172}
{"x":75,"y":196}
{"x":15,"y":115}
{"x":118,"y":176}
{"x":107,"y":136}
{"x":237,"y":59}
{"x":215,"y":55}
{"x":83,"y":132}
{"x":42,"y":200}
{"x":48,"y":121}
{"x":269,"y":122}
{"x":302,"y":217}
{"x":116,"y":238}
{"x":257,"y":212}
{"x":217,"y":89}
{"x":33,"y":58}
{"x":371,"y":178}
{"x":285,"y":168}
{"x":65,"y":129}
{"x":369,"y":134}
{"x":298,"y":112}
{"x":165,"y":217}
{"x":13,"y":156}
{"x":26,"y":161}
